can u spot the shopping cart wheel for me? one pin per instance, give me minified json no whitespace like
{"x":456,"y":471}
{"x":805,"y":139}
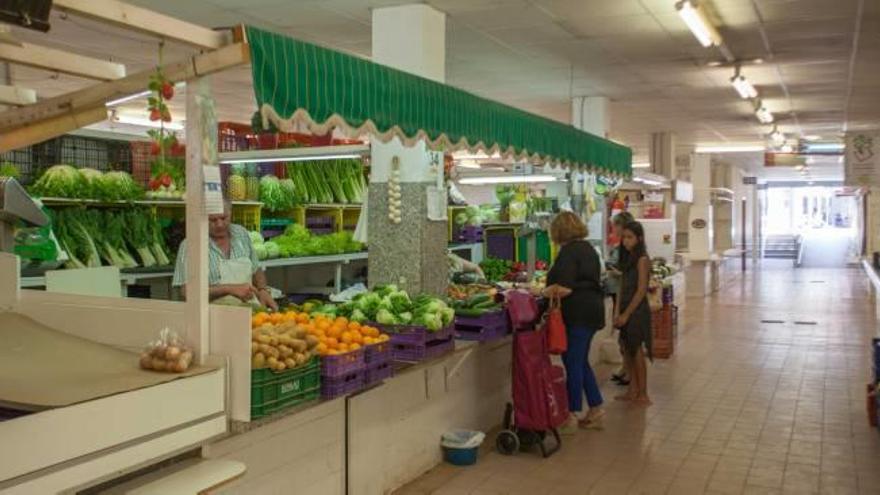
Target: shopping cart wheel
{"x":507,"y":442}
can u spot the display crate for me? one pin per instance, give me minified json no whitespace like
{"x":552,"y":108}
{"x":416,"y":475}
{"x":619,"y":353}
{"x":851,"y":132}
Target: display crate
{"x":490,"y":326}
{"x":273,"y":391}
{"x":414,"y":334}
{"x":470,"y":234}
{"x":82,"y":151}
{"x":342,"y":364}
{"x":378,"y":372}
{"x":377,"y":353}
{"x":248,"y":216}
{"x":543,"y":247}
{"x":339,"y":386}
{"x":23,"y":160}
{"x":500,"y":242}
{"x":414,"y":353}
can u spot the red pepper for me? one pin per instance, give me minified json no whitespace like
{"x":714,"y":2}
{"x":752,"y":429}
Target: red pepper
{"x":154,"y":184}
{"x":167,"y":90}
{"x":155,"y":114}
{"x":166,"y":180}
{"x":155,"y":148}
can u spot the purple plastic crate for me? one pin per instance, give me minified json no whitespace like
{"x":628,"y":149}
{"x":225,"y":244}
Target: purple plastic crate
{"x":489,"y":326}
{"x":501,"y":244}
{"x":470,"y":233}
{"x":375,"y":354}
{"x":414,"y":353}
{"x":414,"y":334}
{"x":321,"y":230}
{"x":301,"y":298}
{"x":342,"y":385}
{"x":319,"y":222}
{"x":342,"y":364}
{"x":378,"y":372}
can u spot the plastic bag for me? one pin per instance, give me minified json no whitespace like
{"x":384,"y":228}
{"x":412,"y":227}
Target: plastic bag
{"x":169,"y":354}
{"x":462,"y":439}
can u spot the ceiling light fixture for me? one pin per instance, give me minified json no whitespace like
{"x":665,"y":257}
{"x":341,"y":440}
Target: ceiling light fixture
{"x":126,"y":99}
{"x":648,"y":182}
{"x":729,"y":149}
{"x":826,"y":147}
{"x":742,"y":86}
{"x":641,"y":165}
{"x":467,"y":164}
{"x":292,"y":158}
{"x":777,"y":137}
{"x":507,"y":179}
{"x":811,"y":137}
{"x":696,"y":20}
{"x":786,"y":148}
{"x":763,"y":114}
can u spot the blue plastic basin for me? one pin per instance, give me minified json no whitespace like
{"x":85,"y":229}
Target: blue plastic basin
{"x":460,"y":457}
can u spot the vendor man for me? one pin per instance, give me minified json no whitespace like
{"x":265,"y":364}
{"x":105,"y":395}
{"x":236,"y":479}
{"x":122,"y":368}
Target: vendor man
{"x":234,"y":272}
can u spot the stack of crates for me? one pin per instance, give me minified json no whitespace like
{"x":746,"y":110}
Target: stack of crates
{"x":342,"y":374}
{"x":275,"y":391}
{"x":664,"y":327}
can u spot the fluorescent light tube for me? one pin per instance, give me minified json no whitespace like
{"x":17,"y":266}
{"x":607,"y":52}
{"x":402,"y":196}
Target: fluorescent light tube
{"x":641,"y":165}
{"x":825,"y":147}
{"x":467,"y":164}
{"x":647,"y":181}
{"x":126,"y":99}
{"x":507,"y":179}
{"x":289,"y":159}
{"x":696,"y":20}
{"x":743,"y":87}
{"x":145,"y":122}
{"x":728,"y":149}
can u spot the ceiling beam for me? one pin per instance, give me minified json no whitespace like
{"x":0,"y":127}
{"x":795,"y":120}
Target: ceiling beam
{"x":50,"y":128}
{"x":61,"y":61}
{"x":145,"y":21}
{"x":60,"y":108}
{"x":17,"y":96}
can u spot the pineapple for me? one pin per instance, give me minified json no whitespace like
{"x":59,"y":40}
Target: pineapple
{"x":236,"y":184}
{"x":252,"y":183}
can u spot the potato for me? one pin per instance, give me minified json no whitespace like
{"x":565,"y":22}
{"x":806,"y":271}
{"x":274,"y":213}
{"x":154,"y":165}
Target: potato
{"x":284,"y":350}
{"x":146,"y":361}
{"x":285,"y":339}
{"x":302,"y":359}
{"x":264,"y":339}
{"x":255,"y":347}
{"x":158,"y":364}
{"x":159,"y":351}
{"x":299,"y":345}
{"x":290,"y":363}
{"x":186,"y":356}
{"x":300,"y":333}
{"x":272,"y":362}
{"x":312,"y":341}
{"x":280,"y":366}
{"x":273,"y":351}
{"x":273,"y":340}
{"x":172,"y":352}
{"x":258,"y":361}
{"x":179,"y":366}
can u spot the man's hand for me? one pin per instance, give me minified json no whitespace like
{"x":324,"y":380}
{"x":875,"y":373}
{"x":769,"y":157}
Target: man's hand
{"x":620,"y":321}
{"x":245,"y":292}
{"x":266,"y":300}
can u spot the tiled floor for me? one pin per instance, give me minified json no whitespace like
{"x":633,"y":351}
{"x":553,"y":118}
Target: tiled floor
{"x":744,"y":406}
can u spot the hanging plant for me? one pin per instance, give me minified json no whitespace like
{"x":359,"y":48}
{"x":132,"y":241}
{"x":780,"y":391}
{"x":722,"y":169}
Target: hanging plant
{"x":167,"y":178}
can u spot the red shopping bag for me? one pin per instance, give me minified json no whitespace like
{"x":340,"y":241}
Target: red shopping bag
{"x":554,"y":326}
{"x":522,"y":308}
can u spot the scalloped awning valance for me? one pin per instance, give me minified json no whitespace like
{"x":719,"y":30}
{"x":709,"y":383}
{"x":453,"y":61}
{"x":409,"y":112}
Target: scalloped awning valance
{"x":301,"y":83}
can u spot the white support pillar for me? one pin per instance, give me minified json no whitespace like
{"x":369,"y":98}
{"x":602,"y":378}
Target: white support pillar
{"x":591,"y":114}
{"x":700,"y":222}
{"x":201,"y":151}
{"x":753,"y":201}
{"x":412,"y":253}
{"x":662,"y":154}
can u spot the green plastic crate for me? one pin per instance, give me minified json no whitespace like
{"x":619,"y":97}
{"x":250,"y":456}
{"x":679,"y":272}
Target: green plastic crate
{"x":272,"y":392}
{"x":542,"y":245}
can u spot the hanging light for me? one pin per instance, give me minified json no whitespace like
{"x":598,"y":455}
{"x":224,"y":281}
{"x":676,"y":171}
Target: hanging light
{"x":742,"y":86}
{"x":696,"y":20}
{"x":763,"y":114}
{"x":777,"y":137}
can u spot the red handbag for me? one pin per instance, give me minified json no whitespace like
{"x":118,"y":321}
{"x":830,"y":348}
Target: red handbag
{"x":554,"y":326}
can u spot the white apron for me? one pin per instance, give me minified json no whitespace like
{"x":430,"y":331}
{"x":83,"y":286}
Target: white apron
{"x":236,"y":271}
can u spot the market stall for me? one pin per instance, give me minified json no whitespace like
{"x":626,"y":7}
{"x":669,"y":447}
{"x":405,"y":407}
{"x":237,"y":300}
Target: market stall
{"x":262,"y":371}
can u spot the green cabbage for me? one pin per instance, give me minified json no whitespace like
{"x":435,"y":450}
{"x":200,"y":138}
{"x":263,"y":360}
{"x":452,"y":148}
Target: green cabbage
{"x":116,"y":186}
{"x":272,"y":249}
{"x":385,"y":317}
{"x":61,"y":181}
{"x":256,"y":238}
{"x":261,"y":251}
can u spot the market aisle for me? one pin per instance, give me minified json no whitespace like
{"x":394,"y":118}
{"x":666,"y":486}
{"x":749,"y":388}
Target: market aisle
{"x":744,"y":406}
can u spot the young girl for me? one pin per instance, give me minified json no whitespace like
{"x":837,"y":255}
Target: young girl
{"x":617,"y":260}
{"x":634,"y":320}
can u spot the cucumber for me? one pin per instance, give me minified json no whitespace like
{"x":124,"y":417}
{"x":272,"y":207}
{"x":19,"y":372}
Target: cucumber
{"x":490,"y":304}
{"x":470,"y":312}
{"x":478,"y":299}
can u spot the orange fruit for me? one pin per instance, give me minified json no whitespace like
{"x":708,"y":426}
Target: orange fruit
{"x":332,"y":342}
{"x":353,"y":325}
{"x":322,"y":324}
{"x":332,"y":352}
{"x":384,"y":337}
{"x":346,"y":338}
{"x":341,"y":320}
{"x":322,"y":348}
{"x":344,"y":348}
{"x":354,"y":346}
{"x":357,"y":338}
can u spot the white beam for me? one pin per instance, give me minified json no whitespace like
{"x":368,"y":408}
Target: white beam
{"x":16,"y":95}
{"x":145,"y":21}
{"x":61,"y":61}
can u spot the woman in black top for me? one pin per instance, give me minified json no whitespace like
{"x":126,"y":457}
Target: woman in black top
{"x":634,"y":320}
{"x":575,"y":278}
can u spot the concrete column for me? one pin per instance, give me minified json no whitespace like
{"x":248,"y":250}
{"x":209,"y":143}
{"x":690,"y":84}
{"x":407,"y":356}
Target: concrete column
{"x":412,"y":253}
{"x":700,"y":222}
{"x":753,"y":201}
{"x":662,"y":154}
{"x":591,"y":114}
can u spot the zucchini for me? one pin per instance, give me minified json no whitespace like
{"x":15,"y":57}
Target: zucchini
{"x":485,"y":305}
{"x":470,"y":312}
{"x":478,"y":299}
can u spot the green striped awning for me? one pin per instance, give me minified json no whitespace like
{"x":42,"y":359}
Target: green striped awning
{"x":301,"y":83}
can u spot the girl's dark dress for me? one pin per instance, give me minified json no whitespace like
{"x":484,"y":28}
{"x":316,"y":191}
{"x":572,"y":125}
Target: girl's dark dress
{"x":637,"y":331}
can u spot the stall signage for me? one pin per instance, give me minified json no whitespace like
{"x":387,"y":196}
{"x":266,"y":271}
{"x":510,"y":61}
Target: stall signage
{"x":862,"y":164}
{"x":750,"y":181}
{"x":698,"y":223}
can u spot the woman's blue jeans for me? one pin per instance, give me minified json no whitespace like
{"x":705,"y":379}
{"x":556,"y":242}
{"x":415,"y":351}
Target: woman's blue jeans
{"x":580,"y":378}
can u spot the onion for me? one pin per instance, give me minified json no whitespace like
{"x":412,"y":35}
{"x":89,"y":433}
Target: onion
{"x":172,"y":352}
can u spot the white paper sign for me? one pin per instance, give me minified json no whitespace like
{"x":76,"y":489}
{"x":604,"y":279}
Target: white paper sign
{"x":213,"y":190}
{"x":862,"y":166}
{"x":436,"y":203}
